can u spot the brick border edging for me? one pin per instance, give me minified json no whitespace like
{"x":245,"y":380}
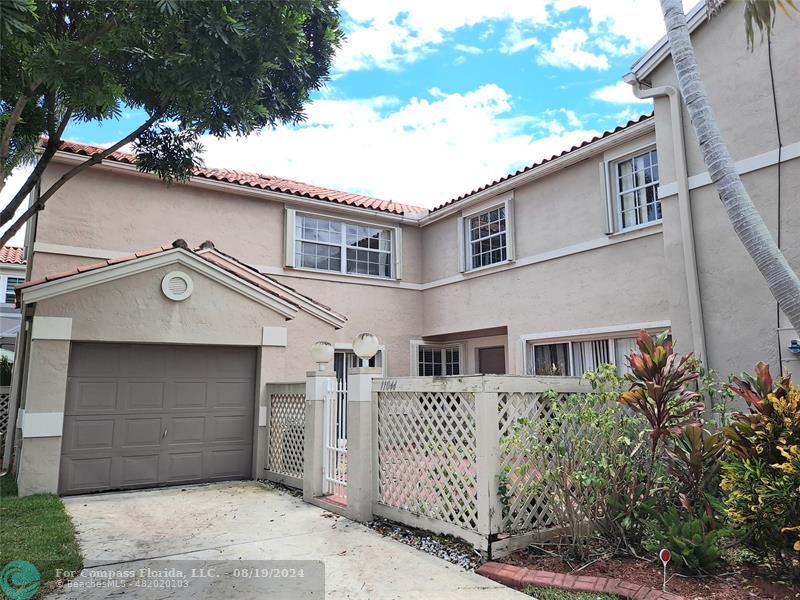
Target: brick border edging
{"x":522,"y":577}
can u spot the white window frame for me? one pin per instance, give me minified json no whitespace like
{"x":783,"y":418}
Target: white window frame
{"x":291,"y":245}
{"x":613,"y":190}
{"x":465,"y":235}
{"x":416,"y":345}
{"x":4,"y":283}
{"x":570,"y":337}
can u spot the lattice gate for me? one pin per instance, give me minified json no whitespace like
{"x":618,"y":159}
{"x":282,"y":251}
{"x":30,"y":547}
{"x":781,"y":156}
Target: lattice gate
{"x":334,"y":444}
{"x":286,"y":422}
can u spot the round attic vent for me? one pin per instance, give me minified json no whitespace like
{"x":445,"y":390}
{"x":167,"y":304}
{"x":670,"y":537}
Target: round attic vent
{"x":177,"y":286}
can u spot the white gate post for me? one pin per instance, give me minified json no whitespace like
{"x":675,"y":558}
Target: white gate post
{"x":317,"y":385}
{"x":359,"y":442}
{"x":487,"y":433}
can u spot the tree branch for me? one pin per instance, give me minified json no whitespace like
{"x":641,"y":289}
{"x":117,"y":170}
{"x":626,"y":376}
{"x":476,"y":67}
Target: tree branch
{"x":39,"y":204}
{"x":8,"y":130}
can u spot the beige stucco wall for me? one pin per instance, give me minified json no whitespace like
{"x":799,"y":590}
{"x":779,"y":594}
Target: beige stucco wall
{"x":738,"y":309}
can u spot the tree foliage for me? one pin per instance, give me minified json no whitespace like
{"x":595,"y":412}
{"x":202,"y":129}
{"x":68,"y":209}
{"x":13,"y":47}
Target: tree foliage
{"x":216,"y":67}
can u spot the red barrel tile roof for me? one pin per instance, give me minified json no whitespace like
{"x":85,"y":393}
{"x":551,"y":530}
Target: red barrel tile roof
{"x":12,"y":255}
{"x":264,"y":182}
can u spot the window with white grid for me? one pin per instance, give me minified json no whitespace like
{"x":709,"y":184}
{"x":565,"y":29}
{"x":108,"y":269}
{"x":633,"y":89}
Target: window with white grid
{"x":636,"y":181}
{"x":350,"y":248}
{"x":434,"y":361}
{"x":11,"y":283}
{"x":486,"y":238}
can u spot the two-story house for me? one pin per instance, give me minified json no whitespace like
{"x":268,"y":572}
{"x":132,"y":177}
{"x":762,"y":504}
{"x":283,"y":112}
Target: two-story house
{"x":551,"y":271}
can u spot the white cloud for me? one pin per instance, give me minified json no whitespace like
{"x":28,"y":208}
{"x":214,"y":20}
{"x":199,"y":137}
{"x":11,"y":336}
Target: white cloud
{"x":422,"y":152}
{"x":567,"y":49}
{"x":619,"y":93}
{"x":468,"y":49}
{"x":390,"y":33}
{"x":515,"y":40}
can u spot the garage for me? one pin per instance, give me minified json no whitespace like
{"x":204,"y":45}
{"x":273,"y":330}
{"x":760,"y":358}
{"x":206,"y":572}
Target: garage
{"x":145,"y":415}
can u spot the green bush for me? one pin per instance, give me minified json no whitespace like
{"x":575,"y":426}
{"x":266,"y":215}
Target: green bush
{"x":761,"y":476}
{"x":693,"y":541}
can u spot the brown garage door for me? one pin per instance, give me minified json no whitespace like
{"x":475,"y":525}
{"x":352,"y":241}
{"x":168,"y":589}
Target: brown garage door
{"x":146,"y":415}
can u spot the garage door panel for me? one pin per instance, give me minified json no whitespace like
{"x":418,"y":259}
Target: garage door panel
{"x":88,"y":434}
{"x":143,"y":396}
{"x":156,"y":415}
{"x":226,"y":462}
{"x":141,"y":431}
{"x":86,"y":474}
{"x":232,"y":394}
{"x":139,"y":470}
{"x":189,"y":394}
{"x":185,"y":466}
{"x":186,"y":430}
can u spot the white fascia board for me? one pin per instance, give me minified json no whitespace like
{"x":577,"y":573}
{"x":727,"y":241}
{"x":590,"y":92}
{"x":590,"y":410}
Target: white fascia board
{"x":72,"y":283}
{"x":544,"y":170}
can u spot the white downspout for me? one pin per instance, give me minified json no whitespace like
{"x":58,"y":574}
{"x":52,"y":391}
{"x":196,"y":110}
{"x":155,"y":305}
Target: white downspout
{"x":684,"y":208}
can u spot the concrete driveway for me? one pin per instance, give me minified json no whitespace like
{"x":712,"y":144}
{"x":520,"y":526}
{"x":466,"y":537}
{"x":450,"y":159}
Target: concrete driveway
{"x":123,"y":534}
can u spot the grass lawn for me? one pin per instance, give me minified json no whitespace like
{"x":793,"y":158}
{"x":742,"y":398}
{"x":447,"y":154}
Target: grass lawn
{"x":546,"y":593}
{"x":36,"y":529}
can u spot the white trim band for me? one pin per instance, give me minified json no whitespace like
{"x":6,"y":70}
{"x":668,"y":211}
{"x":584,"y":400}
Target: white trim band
{"x":51,"y":328}
{"x":37,"y":425}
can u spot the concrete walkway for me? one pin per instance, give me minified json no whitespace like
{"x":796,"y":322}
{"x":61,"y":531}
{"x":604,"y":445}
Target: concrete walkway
{"x":210,"y":524}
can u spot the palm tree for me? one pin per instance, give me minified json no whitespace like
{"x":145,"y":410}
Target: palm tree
{"x":746,"y":220}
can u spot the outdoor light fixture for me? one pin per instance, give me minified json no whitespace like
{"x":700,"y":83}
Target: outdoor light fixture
{"x":366,"y":345}
{"x":794,"y":346}
{"x":322,"y":353}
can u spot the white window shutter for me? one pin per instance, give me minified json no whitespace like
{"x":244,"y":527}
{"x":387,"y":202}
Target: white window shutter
{"x":462,"y":246}
{"x":606,"y":198}
{"x":510,"y":229}
{"x":397,"y":234}
{"x":288,"y":237}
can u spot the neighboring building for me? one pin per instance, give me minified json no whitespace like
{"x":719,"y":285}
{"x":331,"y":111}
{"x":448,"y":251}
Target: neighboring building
{"x":153,"y":359}
{"x":12,"y":273}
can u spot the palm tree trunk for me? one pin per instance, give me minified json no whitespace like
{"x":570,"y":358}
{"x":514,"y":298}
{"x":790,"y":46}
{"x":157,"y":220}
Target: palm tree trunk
{"x":746,"y":220}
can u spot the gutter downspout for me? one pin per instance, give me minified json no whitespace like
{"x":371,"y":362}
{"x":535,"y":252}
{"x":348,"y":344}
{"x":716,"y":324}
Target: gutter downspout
{"x":684,"y":207}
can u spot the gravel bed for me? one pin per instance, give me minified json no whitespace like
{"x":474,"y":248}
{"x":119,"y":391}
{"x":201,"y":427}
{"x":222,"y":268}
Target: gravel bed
{"x":445,"y":547}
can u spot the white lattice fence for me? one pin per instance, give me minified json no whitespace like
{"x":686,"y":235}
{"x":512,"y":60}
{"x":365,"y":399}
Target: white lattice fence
{"x":286,"y":433}
{"x":427,"y":455}
{"x":527,"y":502}
{"x":5,"y":400}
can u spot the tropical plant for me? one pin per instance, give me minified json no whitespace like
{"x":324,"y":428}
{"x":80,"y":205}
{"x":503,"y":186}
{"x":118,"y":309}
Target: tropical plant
{"x":761,"y":477}
{"x":694,"y":543}
{"x":745,"y":219}
{"x":215,"y":67}
{"x":659,"y":389}
{"x":692,"y":459}
{"x":6,"y":367}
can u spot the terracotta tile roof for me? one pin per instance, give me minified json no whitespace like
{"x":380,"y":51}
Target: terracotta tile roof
{"x":265,"y":182}
{"x":206,"y":251}
{"x":603,"y":135}
{"x":12,"y":255}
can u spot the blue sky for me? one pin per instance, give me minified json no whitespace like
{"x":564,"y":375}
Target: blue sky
{"x":429,"y":99}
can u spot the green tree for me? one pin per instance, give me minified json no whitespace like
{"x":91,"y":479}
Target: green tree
{"x":195,"y":67}
{"x":742,"y":213}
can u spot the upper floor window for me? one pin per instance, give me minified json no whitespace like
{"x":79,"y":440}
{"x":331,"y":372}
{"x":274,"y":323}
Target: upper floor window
{"x":486,"y":237}
{"x":637,"y":200}
{"x":434,"y":361}
{"x":341,"y":247}
{"x":11,"y":283}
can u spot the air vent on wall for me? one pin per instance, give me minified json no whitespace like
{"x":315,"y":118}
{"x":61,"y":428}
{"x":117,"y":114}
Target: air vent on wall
{"x":177,"y":286}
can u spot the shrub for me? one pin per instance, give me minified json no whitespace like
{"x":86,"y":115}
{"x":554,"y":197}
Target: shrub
{"x":694,"y":543}
{"x":692,"y":460}
{"x":761,"y":478}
